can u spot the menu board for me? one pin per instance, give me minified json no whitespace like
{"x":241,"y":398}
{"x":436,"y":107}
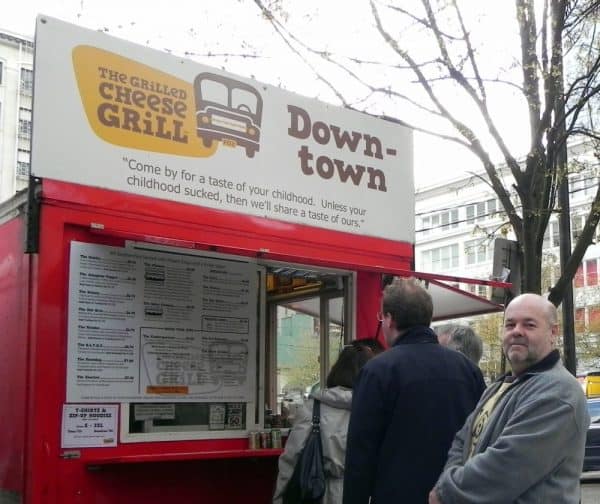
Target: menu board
{"x":151,"y":326}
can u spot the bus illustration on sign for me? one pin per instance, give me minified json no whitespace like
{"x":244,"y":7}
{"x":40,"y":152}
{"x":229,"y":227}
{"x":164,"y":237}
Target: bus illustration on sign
{"x":227,"y":110}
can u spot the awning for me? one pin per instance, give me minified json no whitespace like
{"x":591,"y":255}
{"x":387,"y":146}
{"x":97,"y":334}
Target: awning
{"x":449,"y":302}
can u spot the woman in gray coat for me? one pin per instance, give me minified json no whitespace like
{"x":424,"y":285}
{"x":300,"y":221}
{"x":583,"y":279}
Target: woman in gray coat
{"x":336,"y":401}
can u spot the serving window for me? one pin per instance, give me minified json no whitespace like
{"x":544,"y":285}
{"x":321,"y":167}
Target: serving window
{"x":198,"y":345}
{"x":309,"y":322}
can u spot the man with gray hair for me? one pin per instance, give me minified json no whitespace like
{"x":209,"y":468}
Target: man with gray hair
{"x":461,"y":338}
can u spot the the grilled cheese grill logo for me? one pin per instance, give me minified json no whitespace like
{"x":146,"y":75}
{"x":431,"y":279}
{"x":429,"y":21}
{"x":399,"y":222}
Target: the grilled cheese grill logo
{"x":134,"y":105}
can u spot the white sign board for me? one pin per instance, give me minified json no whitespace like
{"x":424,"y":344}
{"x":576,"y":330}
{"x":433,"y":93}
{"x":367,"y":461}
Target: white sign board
{"x":154,"y":326}
{"x":112,"y":114}
{"x":89,"y":425}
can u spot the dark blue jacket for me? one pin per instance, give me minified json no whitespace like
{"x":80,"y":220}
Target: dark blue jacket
{"x":408,"y":404}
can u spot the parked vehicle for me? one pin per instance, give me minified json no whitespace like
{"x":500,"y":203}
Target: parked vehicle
{"x":591,"y":461}
{"x":591,"y":384}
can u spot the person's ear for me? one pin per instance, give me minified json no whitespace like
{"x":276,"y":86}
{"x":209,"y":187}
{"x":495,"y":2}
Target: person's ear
{"x":554,"y":336}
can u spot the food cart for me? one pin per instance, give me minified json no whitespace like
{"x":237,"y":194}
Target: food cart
{"x":176,"y":216}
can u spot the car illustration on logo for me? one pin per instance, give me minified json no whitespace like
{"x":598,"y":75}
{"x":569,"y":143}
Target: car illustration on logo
{"x":229,"y":111}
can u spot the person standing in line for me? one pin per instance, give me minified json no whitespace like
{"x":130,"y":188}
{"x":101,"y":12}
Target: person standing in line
{"x":525,"y":441}
{"x":336,"y":400}
{"x":408,"y":404}
{"x":463,"y":339}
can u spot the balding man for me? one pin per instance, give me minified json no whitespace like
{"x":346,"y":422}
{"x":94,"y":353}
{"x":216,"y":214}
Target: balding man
{"x":525,"y":440}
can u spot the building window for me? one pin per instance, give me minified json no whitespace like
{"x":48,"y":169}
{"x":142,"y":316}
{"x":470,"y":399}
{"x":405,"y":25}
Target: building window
{"x":482,"y":210}
{"x":579,"y":320}
{"x":470,"y":214}
{"x":552,"y":236}
{"x":23,"y":157}
{"x":594,"y":316}
{"x":482,"y":291}
{"x":583,"y":184}
{"x":439,"y":259}
{"x":425,"y":225}
{"x":22,"y":169}
{"x":591,"y":272}
{"x":478,"y":251}
{"x":579,"y":276}
{"x":1,"y":72}
{"x":24,"y":129}
{"x":24,"y":124}
{"x":26,"y":81}
{"x":576,"y":185}
{"x":447,"y":220}
{"x":590,"y":185}
{"x":576,"y":227}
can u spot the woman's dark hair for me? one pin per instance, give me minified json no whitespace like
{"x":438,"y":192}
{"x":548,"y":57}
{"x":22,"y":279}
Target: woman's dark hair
{"x":351,"y":360}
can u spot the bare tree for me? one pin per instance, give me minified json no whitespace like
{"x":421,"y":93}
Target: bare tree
{"x":552,"y":35}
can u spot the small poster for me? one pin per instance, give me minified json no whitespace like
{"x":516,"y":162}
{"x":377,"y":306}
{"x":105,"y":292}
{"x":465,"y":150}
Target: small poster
{"x":89,"y":425}
{"x":154,"y":411}
{"x":216,"y":416}
{"x":234,"y":416}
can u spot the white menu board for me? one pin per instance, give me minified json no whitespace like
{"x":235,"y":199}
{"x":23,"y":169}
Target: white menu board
{"x":160,"y":326}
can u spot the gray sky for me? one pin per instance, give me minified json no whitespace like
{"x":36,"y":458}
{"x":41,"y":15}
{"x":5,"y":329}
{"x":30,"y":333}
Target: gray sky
{"x":230,"y":28}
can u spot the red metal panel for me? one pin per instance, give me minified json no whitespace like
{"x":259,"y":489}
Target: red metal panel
{"x":189,"y":482}
{"x":14,"y":279}
{"x":368,"y":299}
{"x":228,"y":231}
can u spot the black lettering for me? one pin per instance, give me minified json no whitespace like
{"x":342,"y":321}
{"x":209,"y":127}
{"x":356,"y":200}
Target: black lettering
{"x":371,"y":142}
{"x":321,"y":133}
{"x":325,"y":167}
{"x":305,"y":156}
{"x":348,"y":171}
{"x":297,"y":114}
{"x":376,"y":174}
{"x":344,"y":138}
{"x":107,"y":115}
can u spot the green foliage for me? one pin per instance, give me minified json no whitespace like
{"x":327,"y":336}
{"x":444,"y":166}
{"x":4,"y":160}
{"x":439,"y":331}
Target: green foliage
{"x":489,"y":329}
{"x":304,"y":372}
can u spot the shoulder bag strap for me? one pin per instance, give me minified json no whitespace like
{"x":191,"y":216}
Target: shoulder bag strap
{"x":316,"y":415}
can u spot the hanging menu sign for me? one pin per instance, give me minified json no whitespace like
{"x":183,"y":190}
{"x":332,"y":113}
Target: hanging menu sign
{"x":159,"y":326}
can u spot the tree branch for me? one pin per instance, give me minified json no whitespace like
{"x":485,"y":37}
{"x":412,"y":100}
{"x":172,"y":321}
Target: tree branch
{"x":470,"y":52}
{"x":269,"y":17}
{"x":527,"y":31}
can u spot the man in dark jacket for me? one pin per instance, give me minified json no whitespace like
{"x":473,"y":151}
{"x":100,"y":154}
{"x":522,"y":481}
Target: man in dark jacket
{"x":408,"y":403}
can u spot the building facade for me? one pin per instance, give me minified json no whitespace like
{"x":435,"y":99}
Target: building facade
{"x":16,"y":87}
{"x":458,"y":220}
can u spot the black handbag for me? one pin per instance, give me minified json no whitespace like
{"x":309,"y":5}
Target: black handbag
{"x":307,"y":484}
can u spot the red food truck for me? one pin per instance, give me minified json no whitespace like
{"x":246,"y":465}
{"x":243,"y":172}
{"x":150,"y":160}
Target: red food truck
{"x":156,"y":280}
